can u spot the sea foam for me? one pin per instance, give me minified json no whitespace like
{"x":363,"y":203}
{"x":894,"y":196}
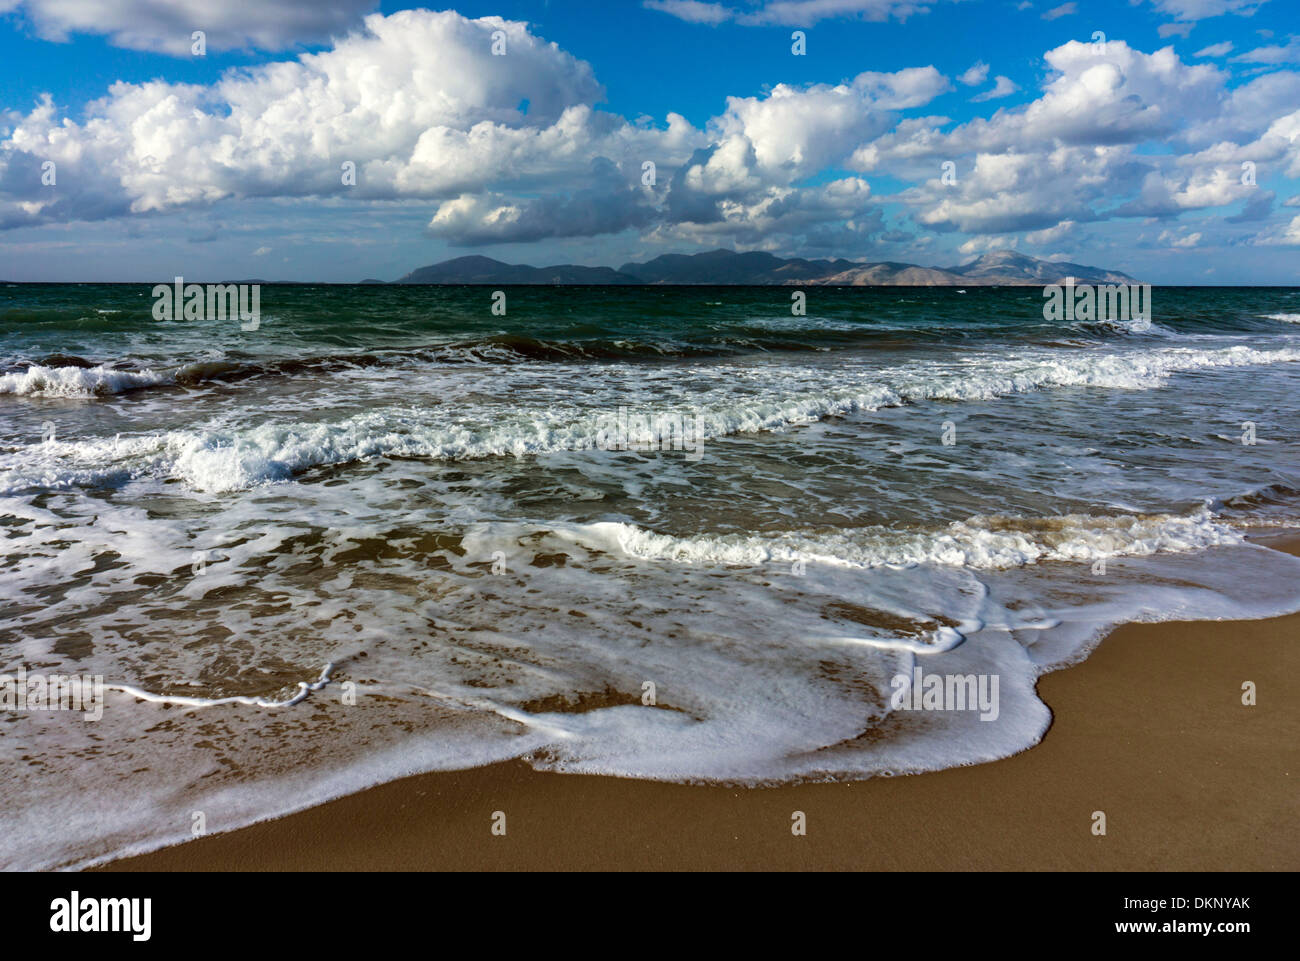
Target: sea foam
{"x":239,"y":458}
{"x":79,"y":381}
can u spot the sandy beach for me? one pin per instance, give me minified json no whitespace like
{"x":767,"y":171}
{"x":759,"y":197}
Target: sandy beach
{"x":1150,"y":729}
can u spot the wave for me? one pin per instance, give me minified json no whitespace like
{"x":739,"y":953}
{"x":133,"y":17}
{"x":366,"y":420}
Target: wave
{"x":981,"y":542}
{"x":241,"y":458}
{"x":78,"y":380}
{"x":1285,"y":318}
{"x":58,"y":374}
{"x":1277,"y":499}
{"x":723,"y":340}
{"x":497,"y":349}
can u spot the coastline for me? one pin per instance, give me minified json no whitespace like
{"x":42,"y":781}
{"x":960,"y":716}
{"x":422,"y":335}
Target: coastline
{"x":1150,"y":729}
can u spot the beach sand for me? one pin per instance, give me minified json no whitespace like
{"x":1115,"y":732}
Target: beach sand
{"x":1150,"y":730}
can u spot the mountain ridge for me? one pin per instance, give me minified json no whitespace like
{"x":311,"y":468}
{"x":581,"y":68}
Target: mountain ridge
{"x":755,"y":268}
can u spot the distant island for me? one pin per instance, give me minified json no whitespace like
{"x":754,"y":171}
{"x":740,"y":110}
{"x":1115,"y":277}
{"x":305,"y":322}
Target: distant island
{"x":726,"y":267}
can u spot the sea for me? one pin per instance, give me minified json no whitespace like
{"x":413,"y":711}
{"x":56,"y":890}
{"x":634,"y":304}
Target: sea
{"x":686,"y":534}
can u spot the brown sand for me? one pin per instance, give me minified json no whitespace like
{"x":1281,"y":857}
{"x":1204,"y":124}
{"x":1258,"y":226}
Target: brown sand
{"x":1150,"y":729}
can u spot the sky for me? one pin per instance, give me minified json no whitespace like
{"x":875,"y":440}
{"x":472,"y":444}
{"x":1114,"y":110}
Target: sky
{"x":300,"y":141}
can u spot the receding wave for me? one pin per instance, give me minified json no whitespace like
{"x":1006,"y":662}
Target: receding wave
{"x":982,"y":543}
{"x":1280,"y":503}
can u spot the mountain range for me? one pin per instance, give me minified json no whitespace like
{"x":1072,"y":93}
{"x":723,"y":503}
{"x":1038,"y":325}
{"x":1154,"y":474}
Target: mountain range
{"x":725,"y":267}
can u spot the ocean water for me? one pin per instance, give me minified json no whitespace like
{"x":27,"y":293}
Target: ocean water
{"x":384,"y":532}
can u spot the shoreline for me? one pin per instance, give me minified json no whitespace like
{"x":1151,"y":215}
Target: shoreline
{"x":1150,"y":729}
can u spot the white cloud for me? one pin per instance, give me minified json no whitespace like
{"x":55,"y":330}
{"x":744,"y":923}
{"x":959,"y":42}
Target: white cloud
{"x":796,"y":13}
{"x":167,"y":26}
{"x":975,"y":75}
{"x":1281,"y":235}
{"x":985,"y":243}
{"x":761,"y":146}
{"x":428,"y":116}
{"x":1292,"y":232}
{"x":1204,"y":9}
{"x":1072,"y":153}
{"x":1124,"y":97}
{"x":1064,"y":10}
{"x":1272,"y":55}
{"x":423,"y":110}
{"x":1005,"y":192}
{"x":692,"y":11}
{"x":1065,"y":230}
{"x":416,"y":101}
{"x":1002,"y":87}
{"x":1216,"y":49}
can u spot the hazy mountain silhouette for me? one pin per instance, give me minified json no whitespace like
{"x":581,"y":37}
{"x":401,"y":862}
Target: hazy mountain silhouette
{"x":725,"y":267}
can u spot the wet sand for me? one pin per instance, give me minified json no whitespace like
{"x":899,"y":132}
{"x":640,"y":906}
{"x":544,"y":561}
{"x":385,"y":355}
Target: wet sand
{"x":1150,"y":730}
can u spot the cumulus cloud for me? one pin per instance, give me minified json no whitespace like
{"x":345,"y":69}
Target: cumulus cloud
{"x":1072,"y":154}
{"x":167,"y":27}
{"x":1164,"y":195}
{"x":1011,"y":192}
{"x":834,"y":216}
{"x":413,"y":107}
{"x":1123,"y":97}
{"x":607,"y":205}
{"x":760,"y":147}
{"x":415,"y":101}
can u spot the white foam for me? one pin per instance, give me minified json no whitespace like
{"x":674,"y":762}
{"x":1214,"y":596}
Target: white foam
{"x":79,"y":381}
{"x":762,"y":676}
{"x":304,"y":689}
{"x":1287,"y":318}
{"x":739,"y":400}
{"x":981,"y":543}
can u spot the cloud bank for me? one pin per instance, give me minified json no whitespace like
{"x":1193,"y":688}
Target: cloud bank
{"x":502,"y":135}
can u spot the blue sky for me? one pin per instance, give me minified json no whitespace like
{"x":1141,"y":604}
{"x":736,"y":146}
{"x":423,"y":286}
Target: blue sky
{"x":1125,"y":154}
